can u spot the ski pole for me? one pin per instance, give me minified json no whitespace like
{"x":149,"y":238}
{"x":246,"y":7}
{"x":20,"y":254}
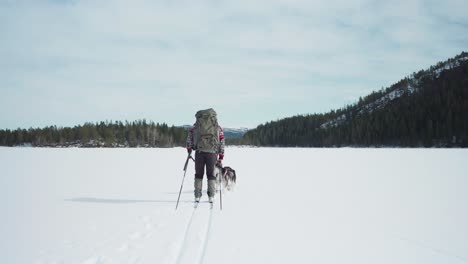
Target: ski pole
{"x":221,"y":194}
{"x":220,"y":190}
{"x":182,"y":184}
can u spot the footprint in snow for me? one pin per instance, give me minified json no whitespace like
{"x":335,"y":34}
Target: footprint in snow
{"x":97,"y":260}
{"x":124,"y":247}
{"x":149,"y":226}
{"x":69,"y":244}
{"x":49,"y":262}
{"x":149,"y":234}
{"x":134,"y":260}
{"x":146,"y":219}
{"x":135,"y":236}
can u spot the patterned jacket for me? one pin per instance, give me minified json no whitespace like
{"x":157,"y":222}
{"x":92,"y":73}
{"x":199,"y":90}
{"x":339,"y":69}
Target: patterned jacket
{"x":220,"y":150}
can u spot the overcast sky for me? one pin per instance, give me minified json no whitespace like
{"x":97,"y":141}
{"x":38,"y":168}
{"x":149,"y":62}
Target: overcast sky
{"x":67,"y":62}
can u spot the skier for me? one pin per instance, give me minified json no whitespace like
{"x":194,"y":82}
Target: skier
{"x":206,"y":137}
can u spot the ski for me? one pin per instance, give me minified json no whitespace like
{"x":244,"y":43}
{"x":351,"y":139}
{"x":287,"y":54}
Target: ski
{"x":197,"y":203}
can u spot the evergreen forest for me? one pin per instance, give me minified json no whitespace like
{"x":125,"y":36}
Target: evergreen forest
{"x":427,"y":109}
{"x":103,"y":134}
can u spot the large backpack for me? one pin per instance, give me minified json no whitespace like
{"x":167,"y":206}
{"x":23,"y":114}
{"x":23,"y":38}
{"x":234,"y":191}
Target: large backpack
{"x":206,"y":133}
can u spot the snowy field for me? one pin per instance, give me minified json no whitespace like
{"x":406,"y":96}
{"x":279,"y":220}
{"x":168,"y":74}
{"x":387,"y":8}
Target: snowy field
{"x":90,"y":206}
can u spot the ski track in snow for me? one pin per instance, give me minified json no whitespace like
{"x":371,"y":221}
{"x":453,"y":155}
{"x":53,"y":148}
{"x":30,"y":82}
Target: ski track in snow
{"x":183,"y":244}
{"x":196,"y":236}
{"x":207,"y":237}
{"x":376,"y":206}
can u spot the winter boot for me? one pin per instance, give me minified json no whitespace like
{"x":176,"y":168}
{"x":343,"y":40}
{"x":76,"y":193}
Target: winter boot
{"x":198,"y":189}
{"x":211,"y":188}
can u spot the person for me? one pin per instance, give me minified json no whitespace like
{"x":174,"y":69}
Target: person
{"x":206,"y":138}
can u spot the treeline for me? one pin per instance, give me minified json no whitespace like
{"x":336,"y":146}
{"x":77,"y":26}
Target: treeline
{"x":434,"y":114}
{"x":103,"y":134}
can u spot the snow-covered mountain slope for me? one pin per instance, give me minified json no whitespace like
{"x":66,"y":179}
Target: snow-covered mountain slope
{"x":437,"y":70}
{"x":290,"y":205}
{"x":408,"y":86}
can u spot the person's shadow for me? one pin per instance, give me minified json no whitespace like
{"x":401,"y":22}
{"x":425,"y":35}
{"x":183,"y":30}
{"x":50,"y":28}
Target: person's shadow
{"x":117,"y":201}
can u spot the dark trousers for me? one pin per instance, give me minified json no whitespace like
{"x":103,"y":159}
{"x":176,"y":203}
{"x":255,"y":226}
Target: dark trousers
{"x":203,"y":159}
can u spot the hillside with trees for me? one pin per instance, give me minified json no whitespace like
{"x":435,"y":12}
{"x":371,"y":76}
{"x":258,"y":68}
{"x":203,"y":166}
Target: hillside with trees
{"x":103,"y":134}
{"x":427,"y":109}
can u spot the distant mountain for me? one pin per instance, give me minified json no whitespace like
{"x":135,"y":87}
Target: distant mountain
{"x":229,"y":133}
{"x":428,"y":108}
{"x":234,"y":133}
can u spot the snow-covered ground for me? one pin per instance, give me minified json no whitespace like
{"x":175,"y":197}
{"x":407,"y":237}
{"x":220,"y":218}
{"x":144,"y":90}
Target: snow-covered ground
{"x":291,"y":205}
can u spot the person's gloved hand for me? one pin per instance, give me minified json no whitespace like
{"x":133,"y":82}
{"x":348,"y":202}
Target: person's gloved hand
{"x":189,"y":151}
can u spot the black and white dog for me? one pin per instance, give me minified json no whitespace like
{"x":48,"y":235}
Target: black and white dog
{"x":226,"y":176}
